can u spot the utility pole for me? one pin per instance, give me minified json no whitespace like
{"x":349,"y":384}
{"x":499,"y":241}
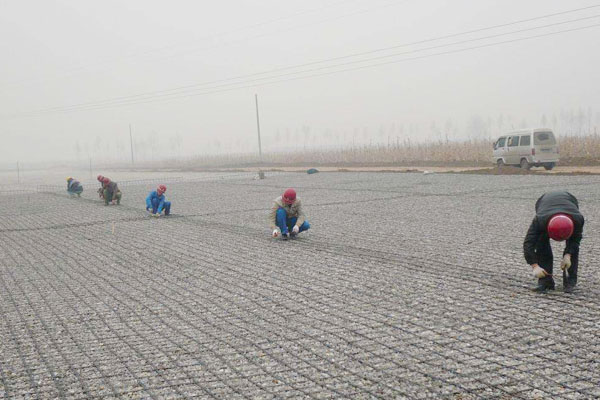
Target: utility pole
{"x":131,"y":143}
{"x":258,"y":128}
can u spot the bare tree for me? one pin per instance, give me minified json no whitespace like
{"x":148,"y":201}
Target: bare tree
{"x":524,"y":123}
{"x":448,"y":128}
{"x":152,"y":142}
{"x":500,"y":123}
{"x":476,"y":127}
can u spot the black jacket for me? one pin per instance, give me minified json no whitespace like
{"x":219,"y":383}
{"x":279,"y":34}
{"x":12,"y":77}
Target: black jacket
{"x":548,"y":205}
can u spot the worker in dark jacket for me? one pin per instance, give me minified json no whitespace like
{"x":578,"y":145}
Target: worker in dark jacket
{"x":74,"y":187}
{"x":557,"y":217}
{"x":111,"y":193}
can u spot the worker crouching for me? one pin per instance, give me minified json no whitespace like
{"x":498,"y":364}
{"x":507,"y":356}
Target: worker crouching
{"x":156,"y":202}
{"x":111,"y":192}
{"x":74,"y":187}
{"x":287,"y":217}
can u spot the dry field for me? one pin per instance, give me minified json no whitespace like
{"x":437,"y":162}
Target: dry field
{"x":574,"y":151}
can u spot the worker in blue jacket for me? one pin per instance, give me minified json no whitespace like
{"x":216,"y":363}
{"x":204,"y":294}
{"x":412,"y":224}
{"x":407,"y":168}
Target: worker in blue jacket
{"x":156,"y":202}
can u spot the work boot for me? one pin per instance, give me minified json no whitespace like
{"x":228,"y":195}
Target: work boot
{"x":285,"y":236}
{"x":569,"y":283}
{"x":544,"y":284}
{"x":569,"y":287}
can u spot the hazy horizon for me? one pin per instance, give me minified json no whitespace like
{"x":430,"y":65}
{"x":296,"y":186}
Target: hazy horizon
{"x":75,"y":75}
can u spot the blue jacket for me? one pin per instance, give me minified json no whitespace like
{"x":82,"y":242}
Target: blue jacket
{"x":153,"y":196}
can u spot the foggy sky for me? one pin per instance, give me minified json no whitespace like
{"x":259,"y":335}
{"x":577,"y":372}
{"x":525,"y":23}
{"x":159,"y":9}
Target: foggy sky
{"x":61,"y":53}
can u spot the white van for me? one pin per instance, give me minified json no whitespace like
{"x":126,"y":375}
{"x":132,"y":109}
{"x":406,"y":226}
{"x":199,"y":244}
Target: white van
{"x":527,"y":148}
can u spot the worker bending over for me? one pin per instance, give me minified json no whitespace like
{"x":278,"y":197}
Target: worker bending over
{"x":74,"y":187}
{"x":557,"y":217}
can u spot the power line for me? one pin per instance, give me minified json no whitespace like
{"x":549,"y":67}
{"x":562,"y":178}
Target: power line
{"x":213,"y":89}
{"x":344,"y":70}
{"x":370,"y":9}
{"x":213,"y":36}
{"x":146,"y":95}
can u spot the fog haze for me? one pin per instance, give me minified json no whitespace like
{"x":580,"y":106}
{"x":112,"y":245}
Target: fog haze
{"x":57,"y":54}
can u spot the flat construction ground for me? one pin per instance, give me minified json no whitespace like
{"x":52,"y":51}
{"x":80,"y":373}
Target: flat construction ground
{"x":407,"y":286}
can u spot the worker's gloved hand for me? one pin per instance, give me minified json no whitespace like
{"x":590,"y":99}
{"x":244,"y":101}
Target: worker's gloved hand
{"x":296,"y":229}
{"x":539,"y":272}
{"x":275,"y":233}
{"x":566,"y":262}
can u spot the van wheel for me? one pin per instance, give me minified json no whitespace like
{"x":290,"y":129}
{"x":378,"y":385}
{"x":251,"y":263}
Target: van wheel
{"x":500,"y":163}
{"x":525,"y":164}
{"x":549,"y":166}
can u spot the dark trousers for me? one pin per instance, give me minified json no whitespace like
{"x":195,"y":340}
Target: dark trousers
{"x":546,"y":260}
{"x":108,"y":196}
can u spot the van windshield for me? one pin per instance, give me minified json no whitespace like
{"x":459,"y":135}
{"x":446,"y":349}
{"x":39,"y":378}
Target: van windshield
{"x":544,"y":139}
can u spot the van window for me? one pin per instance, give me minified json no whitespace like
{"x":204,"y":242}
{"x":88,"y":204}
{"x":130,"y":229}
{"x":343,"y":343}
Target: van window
{"x":513,"y":141}
{"x":544,"y":139}
{"x":501,"y":142}
{"x":525,"y":140}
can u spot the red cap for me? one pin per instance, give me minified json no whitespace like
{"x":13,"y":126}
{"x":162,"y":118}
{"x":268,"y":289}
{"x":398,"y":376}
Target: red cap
{"x":560,"y":227}
{"x":161,"y":189}
{"x":105,"y":180}
{"x":100,"y":178}
{"x":289,"y":196}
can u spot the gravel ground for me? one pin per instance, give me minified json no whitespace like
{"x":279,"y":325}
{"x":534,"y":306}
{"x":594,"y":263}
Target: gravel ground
{"x":406,"y":286}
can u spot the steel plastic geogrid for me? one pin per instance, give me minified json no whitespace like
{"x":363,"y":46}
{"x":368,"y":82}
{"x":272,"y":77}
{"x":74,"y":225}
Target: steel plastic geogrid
{"x":408,"y":286}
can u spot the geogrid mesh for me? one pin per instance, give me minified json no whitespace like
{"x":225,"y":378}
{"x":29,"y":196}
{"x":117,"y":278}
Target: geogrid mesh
{"x":406,"y":286}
